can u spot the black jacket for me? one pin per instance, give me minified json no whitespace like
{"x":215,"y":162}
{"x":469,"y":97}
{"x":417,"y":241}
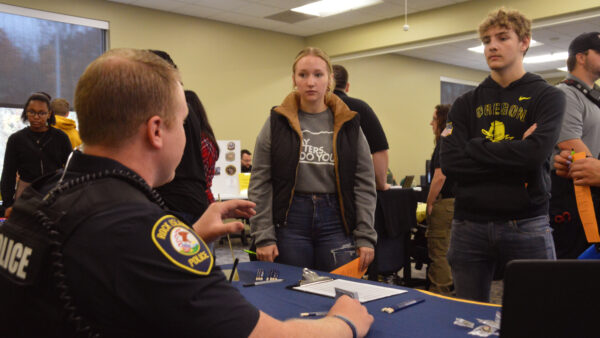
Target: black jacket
{"x":32,"y":155}
{"x":187,"y":191}
{"x":500,"y":175}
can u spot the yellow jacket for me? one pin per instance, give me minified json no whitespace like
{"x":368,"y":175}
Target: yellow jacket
{"x":68,"y":126}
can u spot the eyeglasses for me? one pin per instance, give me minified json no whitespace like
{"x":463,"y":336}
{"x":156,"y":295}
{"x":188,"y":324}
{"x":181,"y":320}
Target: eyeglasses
{"x":37,"y":113}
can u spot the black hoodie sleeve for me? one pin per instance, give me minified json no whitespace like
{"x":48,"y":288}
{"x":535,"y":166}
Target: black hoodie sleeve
{"x":454,"y":160}
{"x":9,"y":172}
{"x":530,"y":153}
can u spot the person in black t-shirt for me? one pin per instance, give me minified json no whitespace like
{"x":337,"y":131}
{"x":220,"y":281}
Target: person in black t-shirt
{"x":440,"y":210}
{"x":32,"y":151}
{"x":186,"y":193}
{"x":370,"y":125}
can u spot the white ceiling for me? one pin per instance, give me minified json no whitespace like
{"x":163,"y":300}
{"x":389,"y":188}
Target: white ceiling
{"x":555,"y":37}
{"x":252,"y":13}
{"x":555,"y":34}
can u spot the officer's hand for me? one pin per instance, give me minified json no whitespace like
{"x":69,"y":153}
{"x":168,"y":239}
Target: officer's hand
{"x":237,"y":209}
{"x":267,"y":253}
{"x":562,"y":162}
{"x":586,"y":172}
{"x":366,"y":256}
{"x":210,"y":226}
{"x":355,"y":312}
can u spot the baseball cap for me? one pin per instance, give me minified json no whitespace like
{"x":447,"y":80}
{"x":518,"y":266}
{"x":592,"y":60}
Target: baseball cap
{"x":584,"y":42}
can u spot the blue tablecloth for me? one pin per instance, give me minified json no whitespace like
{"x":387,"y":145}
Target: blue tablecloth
{"x":432,"y":318}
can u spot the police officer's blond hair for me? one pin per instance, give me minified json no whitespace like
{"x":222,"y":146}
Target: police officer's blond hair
{"x":119,"y":91}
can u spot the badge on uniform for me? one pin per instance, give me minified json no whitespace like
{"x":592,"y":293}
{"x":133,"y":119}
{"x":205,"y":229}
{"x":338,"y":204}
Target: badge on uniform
{"x":180,"y":244}
{"x":448,"y":130}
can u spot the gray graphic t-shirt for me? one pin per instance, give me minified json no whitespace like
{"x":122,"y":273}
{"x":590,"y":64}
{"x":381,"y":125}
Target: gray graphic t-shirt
{"x":316,"y":168}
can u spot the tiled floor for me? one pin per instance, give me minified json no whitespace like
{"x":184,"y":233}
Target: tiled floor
{"x":223,"y":256}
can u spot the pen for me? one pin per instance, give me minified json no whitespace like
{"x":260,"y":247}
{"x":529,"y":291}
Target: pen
{"x":250,"y":252}
{"x":235,"y":263}
{"x":264,"y":282}
{"x":313,"y":314}
{"x":403,"y":305}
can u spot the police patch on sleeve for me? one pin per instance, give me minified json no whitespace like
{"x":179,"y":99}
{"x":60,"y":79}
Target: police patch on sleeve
{"x":448,"y":130}
{"x":180,"y":244}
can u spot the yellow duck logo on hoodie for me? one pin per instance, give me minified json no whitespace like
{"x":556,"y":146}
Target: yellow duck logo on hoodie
{"x":496,"y":133}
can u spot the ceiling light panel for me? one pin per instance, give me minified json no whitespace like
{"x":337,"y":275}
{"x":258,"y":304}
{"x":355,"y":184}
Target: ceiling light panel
{"x":331,"y":7}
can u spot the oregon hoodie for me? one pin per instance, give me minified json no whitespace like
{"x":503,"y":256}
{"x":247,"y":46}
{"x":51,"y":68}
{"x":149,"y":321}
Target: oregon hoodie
{"x":69,"y":127}
{"x":500,"y":175}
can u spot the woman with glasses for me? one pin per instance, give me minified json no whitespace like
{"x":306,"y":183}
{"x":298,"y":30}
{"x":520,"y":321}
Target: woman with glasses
{"x":32,"y":151}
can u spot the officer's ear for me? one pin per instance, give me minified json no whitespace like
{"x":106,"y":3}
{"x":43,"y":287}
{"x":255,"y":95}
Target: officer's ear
{"x":154,"y":127}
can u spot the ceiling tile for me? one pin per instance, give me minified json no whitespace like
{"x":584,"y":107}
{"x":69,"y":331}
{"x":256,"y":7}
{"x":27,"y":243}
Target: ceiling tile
{"x":227,"y":5}
{"x":257,"y":10}
{"x":160,"y":4}
{"x":199,"y":11}
{"x":284,"y":4}
{"x":384,"y":10}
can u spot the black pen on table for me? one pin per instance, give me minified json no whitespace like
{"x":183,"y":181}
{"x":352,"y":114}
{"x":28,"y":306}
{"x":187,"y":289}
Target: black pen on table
{"x":235,"y":263}
{"x":403,"y":305}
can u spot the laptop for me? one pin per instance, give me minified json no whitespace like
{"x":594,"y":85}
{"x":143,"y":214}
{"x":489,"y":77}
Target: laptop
{"x":408,"y":181}
{"x":545,"y":298}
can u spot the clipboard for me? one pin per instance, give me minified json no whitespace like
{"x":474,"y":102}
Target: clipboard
{"x":366,"y":292}
{"x":325,"y":286}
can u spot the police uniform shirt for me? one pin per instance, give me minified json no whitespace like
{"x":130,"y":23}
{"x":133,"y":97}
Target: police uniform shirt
{"x":136,"y":270}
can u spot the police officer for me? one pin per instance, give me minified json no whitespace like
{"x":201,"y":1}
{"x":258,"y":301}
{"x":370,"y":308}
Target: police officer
{"x":91,"y":250}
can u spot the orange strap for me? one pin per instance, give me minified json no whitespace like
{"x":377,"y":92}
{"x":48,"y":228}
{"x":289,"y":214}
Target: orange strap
{"x":585,"y":206}
{"x":350,"y":269}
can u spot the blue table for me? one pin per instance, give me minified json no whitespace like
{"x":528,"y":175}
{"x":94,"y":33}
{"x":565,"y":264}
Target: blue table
{"x":432,"y":318}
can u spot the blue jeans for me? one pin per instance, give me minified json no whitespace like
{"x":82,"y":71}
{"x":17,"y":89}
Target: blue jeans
{"x":314,"y":235}
{"x":476,"y":249}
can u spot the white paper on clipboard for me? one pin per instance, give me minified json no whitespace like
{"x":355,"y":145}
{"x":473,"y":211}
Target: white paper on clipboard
{"x":366,"y":292}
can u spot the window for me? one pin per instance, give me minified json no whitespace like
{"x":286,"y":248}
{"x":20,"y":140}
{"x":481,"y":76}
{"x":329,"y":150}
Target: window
{"x":451,"y":89}
{"x":41,"y":54}
{"x":42,"y":51}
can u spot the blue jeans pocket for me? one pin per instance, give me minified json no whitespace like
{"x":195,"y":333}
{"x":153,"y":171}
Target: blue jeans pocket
{"x":533,"y":225}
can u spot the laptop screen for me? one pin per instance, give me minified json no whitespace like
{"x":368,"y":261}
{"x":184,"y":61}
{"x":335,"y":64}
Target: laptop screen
{"x":545,"y":298}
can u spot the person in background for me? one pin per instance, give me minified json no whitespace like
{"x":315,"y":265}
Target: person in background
{"x":316,"y":209}
{"x":60,"y":108}
{"x":246,"y":161}
{"x":210,"y":148}
{"x":440,"y":210}
{"x":33,"y":151}
{"x":580,"y":132}
{"x":497,"y":146}
{"x":186,"y":193}
{"x":129,"y":267}
{"x":370,"y":125}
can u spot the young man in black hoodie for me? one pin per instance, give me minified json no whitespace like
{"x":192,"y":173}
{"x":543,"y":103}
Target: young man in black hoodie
{"x":497,"y":147}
